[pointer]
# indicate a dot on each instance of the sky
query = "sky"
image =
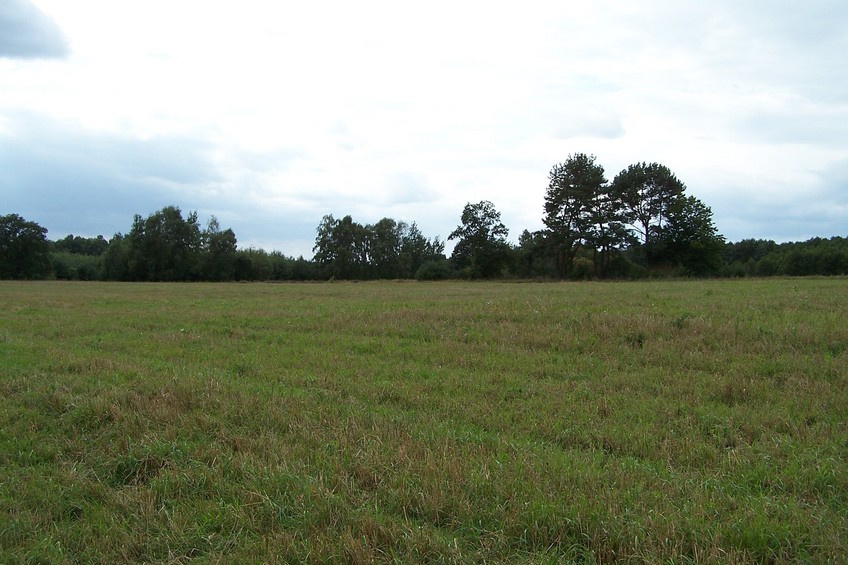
(269, 115)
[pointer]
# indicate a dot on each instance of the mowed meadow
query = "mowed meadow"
(686, 422)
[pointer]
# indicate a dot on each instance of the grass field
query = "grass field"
(433, 423)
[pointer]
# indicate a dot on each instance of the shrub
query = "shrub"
(582, 268)
(436, 270)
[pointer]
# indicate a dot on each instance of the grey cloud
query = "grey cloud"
(259, 162)
(286, 230)
(788, 45)
(835, 175)
(408, 188)
(820, 211)
(26, 32)
(73, 180)
(806, 26)
(818, 127)
(393, 193)
(779, 224)
(589, 123)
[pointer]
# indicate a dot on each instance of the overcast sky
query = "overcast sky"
(270, 115)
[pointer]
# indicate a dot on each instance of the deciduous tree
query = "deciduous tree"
(385, 247)
(416, 250)
(24, 249)
(341, 247)
(690, 239)
(219, 252)
(165, 246)
(482, 246)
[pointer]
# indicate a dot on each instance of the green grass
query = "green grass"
(435, 423)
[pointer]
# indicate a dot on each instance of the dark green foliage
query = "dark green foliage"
(533, 256)
(416, 250)
(606, 233)
(346, 249)
(763, 258)
(258, 265)
(385, 249)
(643, 212)
(78, 245)
(482, 250)
(167, 247)
(164, 247)
(219, 252)
(253, 265)
(689, 238)
(75, 267)
(581, 269)
(817, 257)
(647, 194)
(747, 250)
(572, 186)
(291, 269)
(767, 266)
(341, 247)
(436, 270)
(24, 249)
(116, 259)
(651, 196)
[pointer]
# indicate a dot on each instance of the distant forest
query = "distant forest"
(642, 224)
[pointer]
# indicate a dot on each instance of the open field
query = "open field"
(415, 422)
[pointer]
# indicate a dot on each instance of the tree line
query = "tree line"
(166, 246)
(640, 224)
(765, 258)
